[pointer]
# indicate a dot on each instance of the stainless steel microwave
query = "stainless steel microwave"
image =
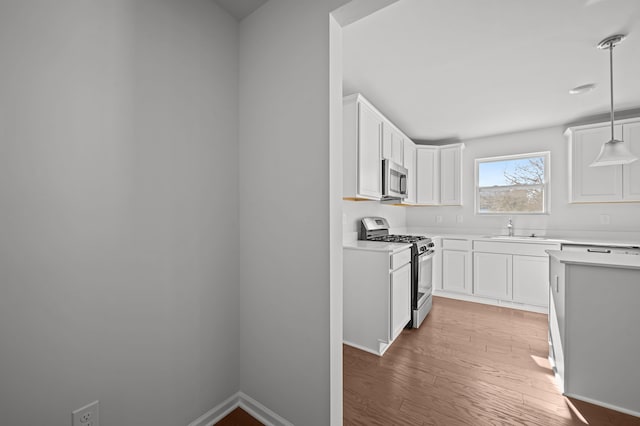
(394, 180)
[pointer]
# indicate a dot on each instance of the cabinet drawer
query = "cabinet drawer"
(399, 259)
(528, 249)
(451, 244)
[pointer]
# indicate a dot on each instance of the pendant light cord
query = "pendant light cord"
(611, 81)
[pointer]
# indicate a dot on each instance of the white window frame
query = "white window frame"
(546, 207)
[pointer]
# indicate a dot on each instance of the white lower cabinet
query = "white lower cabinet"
(530, 280)
(512, 271)
(492, 275)
(376, 296)
(400, 299)
(556, 316)
(456, 265)
(594, 333)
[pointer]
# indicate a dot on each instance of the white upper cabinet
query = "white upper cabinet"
(368, 137)
(427, 175)
(410, 165)
(362, 145)
(369, 170)
(439, 175)
(451, 175)
(606, 183)
(392, 144)
(631, 172)
(434, 172)
(593, 184)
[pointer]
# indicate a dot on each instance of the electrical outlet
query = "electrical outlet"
(605, 219)
(438, 219)
(86, 416)
(459, 218)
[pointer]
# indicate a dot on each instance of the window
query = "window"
(513, 184)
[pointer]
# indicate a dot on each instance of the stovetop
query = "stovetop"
(377, 229)
(410, 239)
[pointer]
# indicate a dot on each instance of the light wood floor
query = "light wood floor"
(468, 364)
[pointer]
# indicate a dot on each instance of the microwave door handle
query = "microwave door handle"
(403, 184)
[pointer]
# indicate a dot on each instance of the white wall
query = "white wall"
(354, 211)
(118, 210)
(285, 208)
(565, 219)
(335, 223)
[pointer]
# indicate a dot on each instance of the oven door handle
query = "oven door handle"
(425, 256)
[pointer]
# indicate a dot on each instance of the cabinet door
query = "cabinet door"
(492, 275)
(428, 175)
(450, 175)
(400, 299)
(557, 314)
(392, 144)
(593, 184)
(437, 264)
(410, 165)
(369, 162)
(397, 148)
(631, 172)
(455, 271)
(531, 280)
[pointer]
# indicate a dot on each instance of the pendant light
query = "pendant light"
(614, 152)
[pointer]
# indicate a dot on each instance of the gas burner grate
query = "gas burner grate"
(398, 238)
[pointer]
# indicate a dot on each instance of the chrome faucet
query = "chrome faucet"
(510, 227)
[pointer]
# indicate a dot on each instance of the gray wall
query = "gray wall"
(285, 208)
(118, 210)
(565, 219)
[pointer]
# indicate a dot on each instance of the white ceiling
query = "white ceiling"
(240, 9)
(447, 69)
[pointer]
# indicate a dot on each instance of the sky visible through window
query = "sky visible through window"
(493, 173)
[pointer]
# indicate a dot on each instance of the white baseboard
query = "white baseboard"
(260, 412)
(248, 404)
(493, 302)
(368, 349)
(604, 404)
(217, 413)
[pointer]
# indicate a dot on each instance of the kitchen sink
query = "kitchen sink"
(518, 237)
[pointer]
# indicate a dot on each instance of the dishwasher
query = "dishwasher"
(606, 249)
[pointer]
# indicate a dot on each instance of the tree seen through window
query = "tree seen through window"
(512, 184)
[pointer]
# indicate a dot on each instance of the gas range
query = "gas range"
(422, 251)
(377, 229)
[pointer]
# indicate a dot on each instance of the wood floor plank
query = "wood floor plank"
(468, 364)
(367, 412)
(239, 417)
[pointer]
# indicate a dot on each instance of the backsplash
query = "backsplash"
(354, 211)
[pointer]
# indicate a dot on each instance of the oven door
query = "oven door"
(424, 288)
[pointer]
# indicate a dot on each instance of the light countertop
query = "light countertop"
(541, 239)
(352, 243)
(627, 261)
(375, 246)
